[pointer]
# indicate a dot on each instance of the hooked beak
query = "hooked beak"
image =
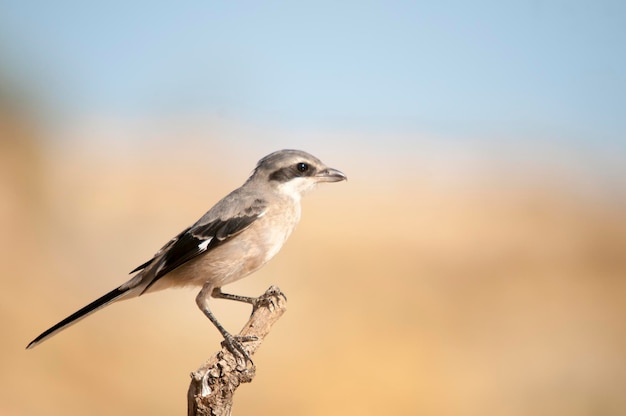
(331, 175)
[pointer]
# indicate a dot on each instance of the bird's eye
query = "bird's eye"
(302, 167)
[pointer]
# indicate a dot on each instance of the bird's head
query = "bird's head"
(294, 172)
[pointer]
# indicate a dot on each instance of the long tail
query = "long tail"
(112, 296)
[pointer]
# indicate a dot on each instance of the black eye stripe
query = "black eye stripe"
(295, 170)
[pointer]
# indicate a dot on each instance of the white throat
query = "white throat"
(296, 187)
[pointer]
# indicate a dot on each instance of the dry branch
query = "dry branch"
(213, 384)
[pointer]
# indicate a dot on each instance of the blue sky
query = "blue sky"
(547, 69)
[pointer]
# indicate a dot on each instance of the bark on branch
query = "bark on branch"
(213, 384)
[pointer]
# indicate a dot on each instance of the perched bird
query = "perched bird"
(233, 239)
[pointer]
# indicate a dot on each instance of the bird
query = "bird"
(233, 239)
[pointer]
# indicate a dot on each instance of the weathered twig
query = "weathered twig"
(213, 384)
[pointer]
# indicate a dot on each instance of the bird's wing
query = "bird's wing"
(206, 234)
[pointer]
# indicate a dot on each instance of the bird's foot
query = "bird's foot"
(270, 299)
(236, 348)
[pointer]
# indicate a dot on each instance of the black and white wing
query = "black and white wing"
(209, 232)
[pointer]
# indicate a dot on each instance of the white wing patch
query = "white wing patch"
(203, 245)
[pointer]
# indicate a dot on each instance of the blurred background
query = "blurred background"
(474, 263)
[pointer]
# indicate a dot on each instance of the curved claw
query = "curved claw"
(271, 298)
(233, 344)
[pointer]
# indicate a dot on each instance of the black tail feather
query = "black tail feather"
(101, 302)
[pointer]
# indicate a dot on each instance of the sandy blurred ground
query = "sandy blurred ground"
(406, 295)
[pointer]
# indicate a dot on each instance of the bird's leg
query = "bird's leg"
(269, 298)
(218, 294)
(231, 342)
